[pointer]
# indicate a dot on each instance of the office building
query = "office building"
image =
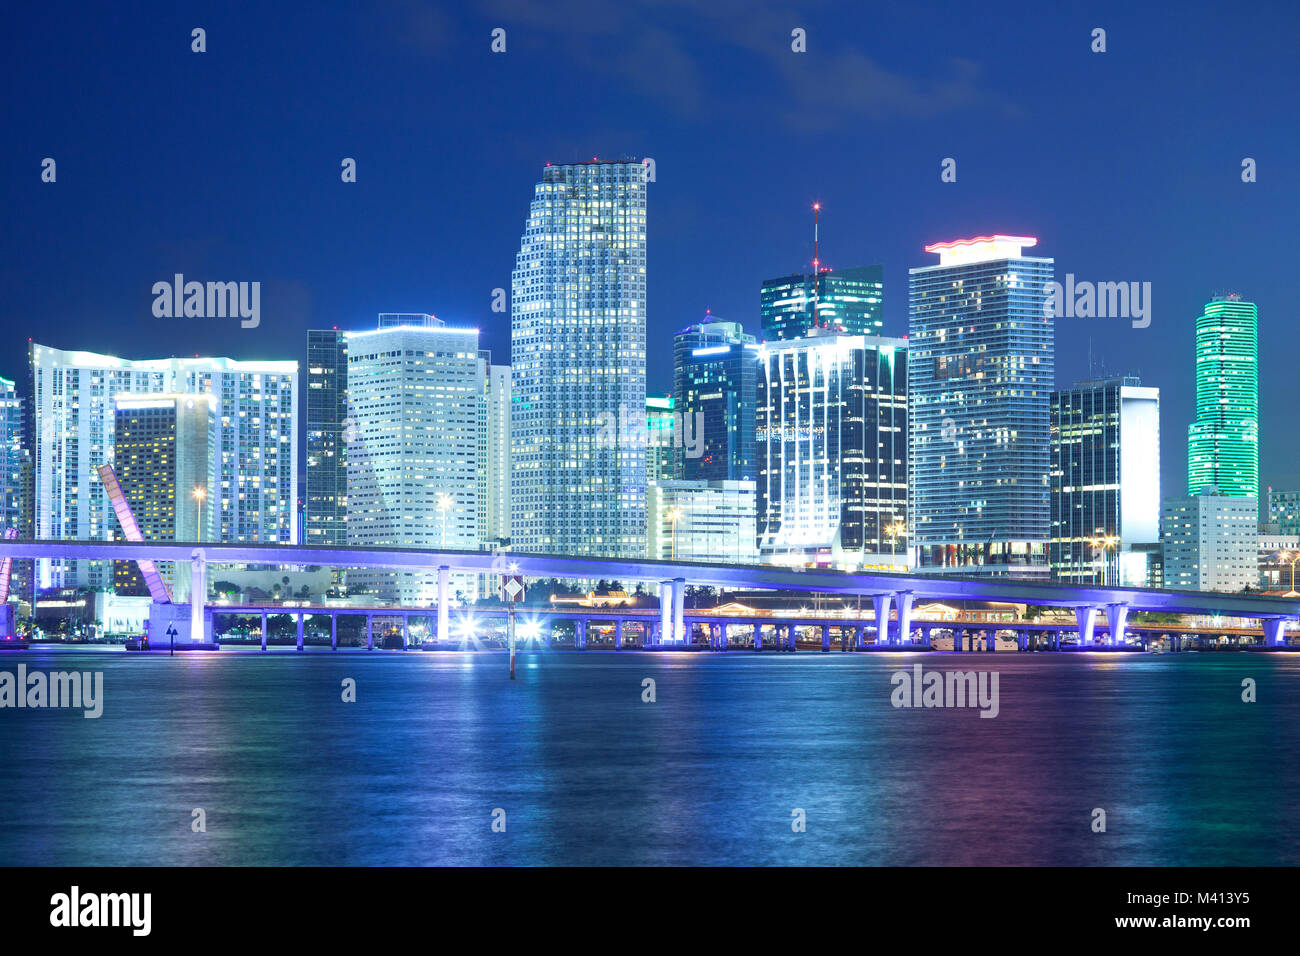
(1211, 542)
(1105, 477)
(980, 372)
(831, 449)
(1223, 442)
(715, 383)
(494, 455)
(326, 506)
(848, 299)
(711, 521)
(578, 340)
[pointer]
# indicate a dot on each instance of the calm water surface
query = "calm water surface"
(708, 774)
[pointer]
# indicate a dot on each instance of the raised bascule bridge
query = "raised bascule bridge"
(1100, 614)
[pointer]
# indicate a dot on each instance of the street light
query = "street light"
(200, 495)
(895, 530)
(1103, 543)
(1292, 560)
(673, 514)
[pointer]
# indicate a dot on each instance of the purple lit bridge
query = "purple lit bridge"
(892, 595)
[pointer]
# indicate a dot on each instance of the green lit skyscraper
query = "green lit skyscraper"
(1223, 442)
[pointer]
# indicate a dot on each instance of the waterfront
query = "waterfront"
(708, 774)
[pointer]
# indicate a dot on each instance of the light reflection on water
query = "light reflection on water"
(708, 774)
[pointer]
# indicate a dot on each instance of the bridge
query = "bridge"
(892, 594)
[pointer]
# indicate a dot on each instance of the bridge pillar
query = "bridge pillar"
(444, 581)
(580, 633)
(903, 601)
(791, 635)
(618, 633)
(679, 612)
(1117, 617)
(758, 637)
(1087, 620)
(826, 638)
(370, 632)
(406, 631)
(881, 603)
(263, 630)
(334, 632)
(1274, 635)
(300, 618)
(665, 610)
(198, 595)
(1022, 639)
(860, 636)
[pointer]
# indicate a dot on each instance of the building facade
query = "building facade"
(980, 376)
(715, 383)
(831, 448)
(1211, 542)
(714, 521)
(848, 299)
(578, 340)
(1105, 477)
(326, 505)
(1223, 442)
(254, 476)
(494, 455)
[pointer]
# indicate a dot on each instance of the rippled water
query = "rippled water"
(708, 774)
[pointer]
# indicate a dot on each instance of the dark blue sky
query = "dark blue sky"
(225, 165)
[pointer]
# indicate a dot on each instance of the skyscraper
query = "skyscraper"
(1105, 474)
(979, 382)
(715, 381)
(1211, 542)
(414, 394)
(578, 329)
(494, 455)
(12, 454)
(661, 435)
(327, 413)
(1223, 442)
(254, 475)
(850, 299)
(831, 443)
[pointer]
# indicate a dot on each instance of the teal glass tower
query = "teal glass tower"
(1223, 442)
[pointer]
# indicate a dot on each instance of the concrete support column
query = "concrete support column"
(665, 610)
(198, 595)
(903, 600)
(679, 611)
(1056, 639)
(444, 589)
(791, 635)
(1273, 631)
(580, 633)
(881, 604)
(860, 636)
(958, 638)
(618, 634)
(370, 632)
(334, 632)
(406, 631)
(263, 630)
(300, 617)
(1087, 620)
(826, 638)
(1117, 617)
(758, 637)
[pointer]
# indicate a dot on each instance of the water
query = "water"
(708, 774)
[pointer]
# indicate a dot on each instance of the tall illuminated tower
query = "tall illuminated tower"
(1223, 442)
(577, 350)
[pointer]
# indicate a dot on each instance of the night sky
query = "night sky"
(225, 165)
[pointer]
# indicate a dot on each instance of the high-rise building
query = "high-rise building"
(414, 394)
(702, 521)
(12, 454)
(1105, 474)
(980, 373)
(1223, 442)
(1211, 542)
(254, 476)
(163, 462)
(848, 299)
(661, 433)
(494, 455)
(578, 331)
(326, 508)
(715, 382)
(831, 444)
(1284, 511)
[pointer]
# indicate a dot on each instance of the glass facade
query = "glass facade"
(578, 340)
(715, 381)
(702, 521)
(1105, 477)
(980, 377)
(848, 299)
(1223, 442)
(327, 462)
(831, 440)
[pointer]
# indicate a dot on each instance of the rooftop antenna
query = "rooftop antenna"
(817, 263)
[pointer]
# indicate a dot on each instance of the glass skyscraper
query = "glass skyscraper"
(715, 377)
(1223, 442)
(850, 299)
(980, 377)
(1105, 478)
(831, 442)
(578, 331)
(327, 461)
